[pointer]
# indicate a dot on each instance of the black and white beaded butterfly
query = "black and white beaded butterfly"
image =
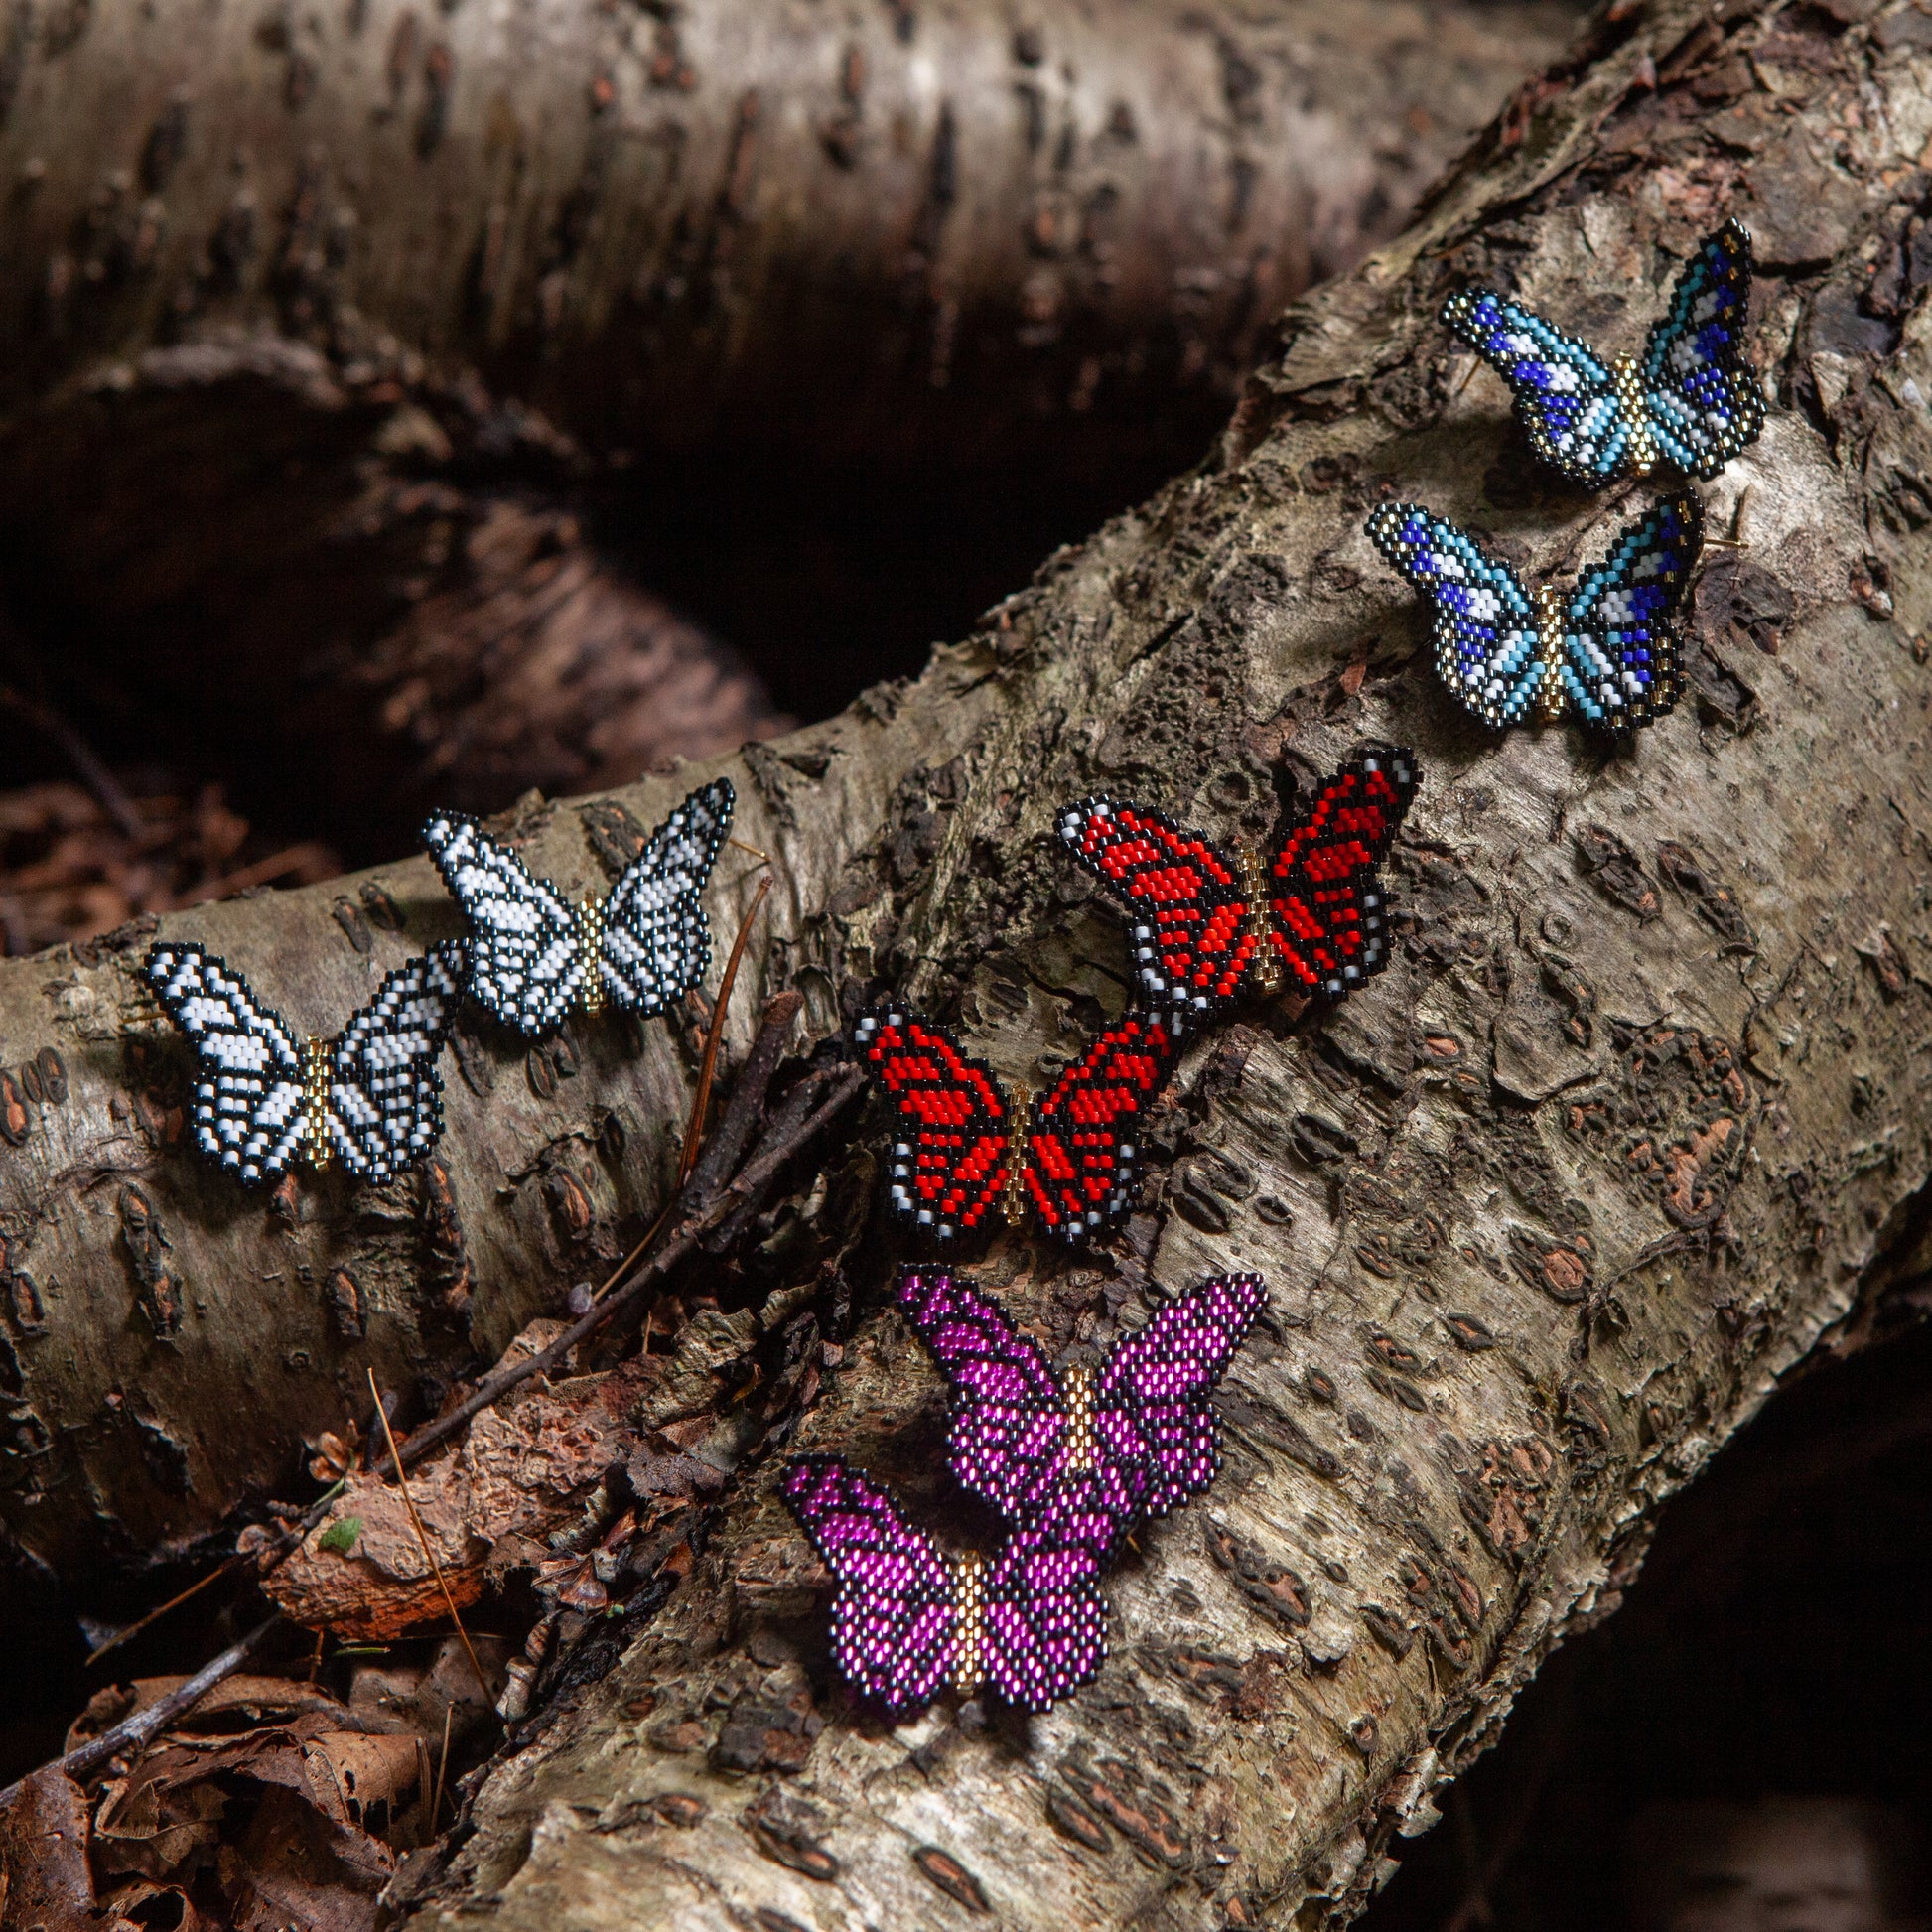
(533, 956)
(368, 1100)
(1689, 399)
(1607, 656)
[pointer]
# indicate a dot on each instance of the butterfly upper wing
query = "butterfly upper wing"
(1008, 1415)
(656, 940)
(1701, 398)
(1151, 1400)
(248, 1094)
(892, 1618)
(1621, 664)
(1045, 1618)
(385, 1101)
(1083, 1150)
(1565, 399)
(526, 960)
(1486, 649)
(949, 1150)
(1192, 930)
(1328, 914)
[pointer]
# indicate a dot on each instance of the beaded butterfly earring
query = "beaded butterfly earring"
(369, 1099)
(1311, 920)
(1689, 400)
(534, 956)
(1607, 656)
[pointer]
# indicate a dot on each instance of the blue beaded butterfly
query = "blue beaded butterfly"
(1690, 401)
(1609, 653)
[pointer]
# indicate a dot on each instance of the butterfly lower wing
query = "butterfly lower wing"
(1193, 933)
(1486, 646)
(656, 941)
(526, 961)
(249, 1115)
(1009, 1421)
(892, 1618)
(1151, 1400)
(1621, 657)
(1046, 1620)
(1701, 398)
(385, 1101)
(1565, 399)
(1083, 1150)
(1328, 913)
(950, 1142)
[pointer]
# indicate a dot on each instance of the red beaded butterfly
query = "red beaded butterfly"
(1204, 920)
(965, 1145)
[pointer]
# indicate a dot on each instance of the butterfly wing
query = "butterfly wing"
(1620, 666)
(1328, 913)
(526, 961)
(386, 1102)
(656, 940)
(1008, 1415)
(893, 1617)
(1486, 649)
(949, 1152)
(1151, 1401)
(1192, 930)
(248, 1094)
(1703, 401)
(1565, 399)
(1045, 1618)
(1083, 1150)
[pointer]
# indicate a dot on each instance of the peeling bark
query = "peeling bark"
(1638, 1117)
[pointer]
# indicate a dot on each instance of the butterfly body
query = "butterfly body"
(368, 1100)
(1689, 400)
(1205, 922)
(1138, 1427)
(536, 957)
(907, 1620)
(966, 1147)
(1608, 654)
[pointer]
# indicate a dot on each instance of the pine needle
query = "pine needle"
(422, 1537)
(701, 1100)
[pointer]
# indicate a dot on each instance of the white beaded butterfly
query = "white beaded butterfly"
(533, 956)
(265, 1101)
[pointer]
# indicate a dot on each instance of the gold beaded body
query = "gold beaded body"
(1266, 967)
(590, 935)
(1083, 1452)
(969, 1624)
(1550, 700)
(1629, 395)
(1012, 1198)
(314, 1100)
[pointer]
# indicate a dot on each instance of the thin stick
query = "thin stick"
(289, 859)
(694, 1128)
(99, 781)
(138, 1729)
(422, 1537)
(752, 848)
(442, 1765)
(160, 1610)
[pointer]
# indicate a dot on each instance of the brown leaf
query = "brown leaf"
(44, 1837)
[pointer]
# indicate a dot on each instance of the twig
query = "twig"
(722, 1151)
(422, 1537)
(138, 1729)
(694, 1128)
(752, 848)
(312, 852)
(442, 1765)
(774, 1150)
(99, 781)
(160, 1610)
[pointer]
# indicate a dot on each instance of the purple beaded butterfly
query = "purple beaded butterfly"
(1139, 1428)
(908, 1618)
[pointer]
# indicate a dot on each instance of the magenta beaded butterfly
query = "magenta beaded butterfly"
(1140, 1425)
(908, 1618)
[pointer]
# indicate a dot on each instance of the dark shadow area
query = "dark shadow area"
(1775, 1646)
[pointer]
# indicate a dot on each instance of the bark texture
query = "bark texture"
(324, 326)
(1637, 1116)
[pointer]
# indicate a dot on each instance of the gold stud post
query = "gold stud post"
(315, 1101)
(1012, 1198)
(1629, 395)
(969, 1625)
(1082, 1452)
(1551, 703)
(590, 936)
(1266, 966)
